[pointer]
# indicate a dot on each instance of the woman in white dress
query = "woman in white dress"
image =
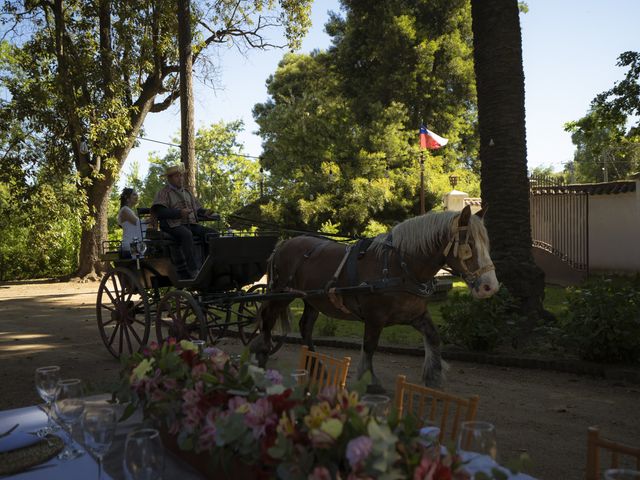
(128, 220)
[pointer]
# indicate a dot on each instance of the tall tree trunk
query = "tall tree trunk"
(187, 152)
(93, 234)
(497, 45)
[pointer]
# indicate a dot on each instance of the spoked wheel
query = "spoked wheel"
(249, 324)
(218, 320)
(122, 312)
(180, 316)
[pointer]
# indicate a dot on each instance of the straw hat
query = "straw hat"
(173, 169)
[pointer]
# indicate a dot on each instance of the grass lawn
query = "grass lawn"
(401, 334)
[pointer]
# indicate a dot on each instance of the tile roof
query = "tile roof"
(604, 188)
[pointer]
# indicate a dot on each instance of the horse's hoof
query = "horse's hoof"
(375, 389)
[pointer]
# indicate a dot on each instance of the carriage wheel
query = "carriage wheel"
(122, 312)
(218, 319)
(180, 316)
(248, 324)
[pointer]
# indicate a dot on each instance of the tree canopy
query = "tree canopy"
(607, 138)
(83, 73)
(340, 127)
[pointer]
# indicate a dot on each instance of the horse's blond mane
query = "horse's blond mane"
(428, 233)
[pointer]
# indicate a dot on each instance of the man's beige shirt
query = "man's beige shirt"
(172, 197)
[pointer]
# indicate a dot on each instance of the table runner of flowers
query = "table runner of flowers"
(230, 410)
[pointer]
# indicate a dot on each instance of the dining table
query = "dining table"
(85, 467)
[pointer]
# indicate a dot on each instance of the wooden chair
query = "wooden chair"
(595, 443)
(451, 410)
(324, 370)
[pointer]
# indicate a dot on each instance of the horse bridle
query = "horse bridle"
(462, 251)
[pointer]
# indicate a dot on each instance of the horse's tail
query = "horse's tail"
(284, 319)
(272, 270)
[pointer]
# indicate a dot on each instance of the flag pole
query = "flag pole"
(422, 183)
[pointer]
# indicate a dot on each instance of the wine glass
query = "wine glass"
(378, 406)
(47, 386)
(477, 438)
(143, 455)
(69, 406)
(99, 428)
(200, 345)
(621, 474)
(300, 377)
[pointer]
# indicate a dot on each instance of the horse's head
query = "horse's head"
(467, 253)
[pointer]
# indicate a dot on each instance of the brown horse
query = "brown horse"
(382, 284)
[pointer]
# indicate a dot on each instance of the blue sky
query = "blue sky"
(570, 48)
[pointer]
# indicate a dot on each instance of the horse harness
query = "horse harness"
(353, 253)
(462, 251)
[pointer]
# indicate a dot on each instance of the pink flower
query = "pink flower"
(328, 394)
(273, 376)
(260, 416)
(191, 408)
(207, 438)
(320, 473)
(358, 450)
(198, 369)
(174, 428)
(169, 383)
(426, 469)
(236, 402)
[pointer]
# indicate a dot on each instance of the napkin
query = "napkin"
(23, 436)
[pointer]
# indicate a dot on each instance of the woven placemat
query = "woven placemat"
(21, 459)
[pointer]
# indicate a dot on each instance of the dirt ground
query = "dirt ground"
(543, 413)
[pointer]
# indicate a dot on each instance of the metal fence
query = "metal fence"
(560, 220)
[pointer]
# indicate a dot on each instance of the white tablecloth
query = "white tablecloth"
(30, 420)
(484, 463)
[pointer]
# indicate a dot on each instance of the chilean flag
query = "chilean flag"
(430, 140)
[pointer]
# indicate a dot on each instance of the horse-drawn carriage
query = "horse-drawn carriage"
(383, 281)
(142, 297)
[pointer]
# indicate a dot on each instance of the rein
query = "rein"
(462, 251)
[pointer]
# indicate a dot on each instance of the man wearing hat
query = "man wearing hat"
(177, 211)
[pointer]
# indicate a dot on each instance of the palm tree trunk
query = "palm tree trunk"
(503, 153)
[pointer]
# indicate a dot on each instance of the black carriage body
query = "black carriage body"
(138, 294)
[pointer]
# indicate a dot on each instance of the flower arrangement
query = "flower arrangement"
(229, 411)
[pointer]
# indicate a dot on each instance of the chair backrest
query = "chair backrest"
(324, 370)
(617, 450)
(445, 410)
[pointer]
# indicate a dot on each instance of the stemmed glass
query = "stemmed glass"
(47, 386)
(143, 455)
(69, 406)
(200, 345)
(477, 438)
(300, 377)
(378, 406)
(99, 428)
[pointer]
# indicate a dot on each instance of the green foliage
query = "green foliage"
(328, 328)
(602, 142)
(340, 127)
(48, 215)
(225, 180)
(602, 320)
(479, 324)
(602, 137)
(624, 97)
(94, 70)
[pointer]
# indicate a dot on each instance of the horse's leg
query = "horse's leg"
(268, 313)
(432, 374)
(307, 321)
(369, 344)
